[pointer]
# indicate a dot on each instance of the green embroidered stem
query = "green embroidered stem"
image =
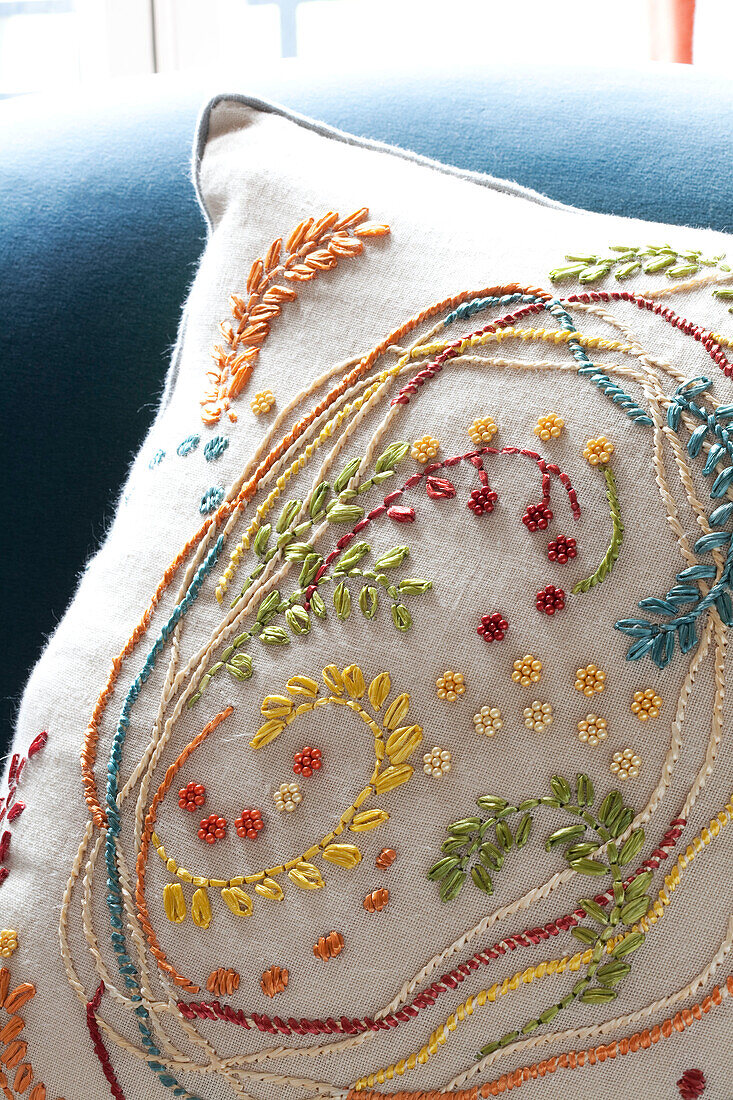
(629, 260)
(611, 556)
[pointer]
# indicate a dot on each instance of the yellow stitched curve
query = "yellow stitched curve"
(542, 335)
(552, 966)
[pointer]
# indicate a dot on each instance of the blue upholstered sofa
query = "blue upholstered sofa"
(100, 234)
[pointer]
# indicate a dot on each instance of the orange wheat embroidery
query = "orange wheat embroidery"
(313, 246)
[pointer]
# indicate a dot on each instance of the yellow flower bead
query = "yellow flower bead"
(488, 721)
(424, 449)
(592, 729)
(549, 427)
(287, 797)
(598, 451)
(437, 762)
(483, 430)
(538, 716)
(263, 402)
(450, 685)
(590, 680)
(8, 942)
(527, 670)
(626, 764)
(646, 704)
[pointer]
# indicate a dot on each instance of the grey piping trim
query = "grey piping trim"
(493, 183)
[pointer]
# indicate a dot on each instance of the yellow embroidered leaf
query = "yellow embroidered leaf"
(276, 706)
(201, 908)
(174, 902)
(403, 742)
(343, 855)
(379, 689)
(306, 876)
(396, 711)
(393, 777)
(333, 679)
(267, 733)
(236, 900)
(270, 889)
(368, 819)
(303, 685)
(354, 681)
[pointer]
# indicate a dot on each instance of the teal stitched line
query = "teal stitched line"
(189, 444)
(586, 368)
(127, 967)
(215, 448)
(156, 459)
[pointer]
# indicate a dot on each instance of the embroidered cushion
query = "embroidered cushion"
(382, 746)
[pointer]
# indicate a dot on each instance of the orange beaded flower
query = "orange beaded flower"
(527, 670)
(483, 430)
(549, 427)
(450, 685)
(590, 680)
(262, 402)
(424, 449)
(646, 704)
(598, 451)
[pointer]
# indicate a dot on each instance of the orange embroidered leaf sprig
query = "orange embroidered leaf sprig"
(312, 247)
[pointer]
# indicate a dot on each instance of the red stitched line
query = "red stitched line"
(99, 1048)
(214, 1010)
(8, 805)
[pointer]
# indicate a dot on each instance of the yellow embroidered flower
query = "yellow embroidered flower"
(592, 729)
(488, 721)
(590, 680)
(483, 430)
(8, 942)
(450, 685)
(424, 449)
(538, 716)
(527, 670)
(263, 402)
(598, 451)
(625, 765)
(437, 762)
(646, 704)
(549, 427)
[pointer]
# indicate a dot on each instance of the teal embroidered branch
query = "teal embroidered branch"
(658, 640)
(614, 548)
(626, 261)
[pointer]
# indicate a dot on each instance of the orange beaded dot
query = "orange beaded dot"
(483, 430)
(527, 670)
(590, 680)
(598, 451)
(549, 427)
(592, 729)
(424, 449)
(450, 685)
(646, 704)
(263, 402)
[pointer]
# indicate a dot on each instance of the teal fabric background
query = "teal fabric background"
(101, 233)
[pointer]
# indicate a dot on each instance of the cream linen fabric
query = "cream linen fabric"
(260, 173)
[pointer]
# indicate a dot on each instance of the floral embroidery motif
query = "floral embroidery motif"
(424, 449)
(625, 764)
(488, 721)
(262, 402)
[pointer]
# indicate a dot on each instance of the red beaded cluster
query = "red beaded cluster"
(562, 549)
(213, 828)
(537, 517)
(493, 627)
(482, 501)
(307, 761)
(692, 1084)
(249, 824)
(192, 796)
(550, 599)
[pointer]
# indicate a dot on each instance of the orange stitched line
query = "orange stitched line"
(142, 908)
(640, 1040)
(91, 737)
